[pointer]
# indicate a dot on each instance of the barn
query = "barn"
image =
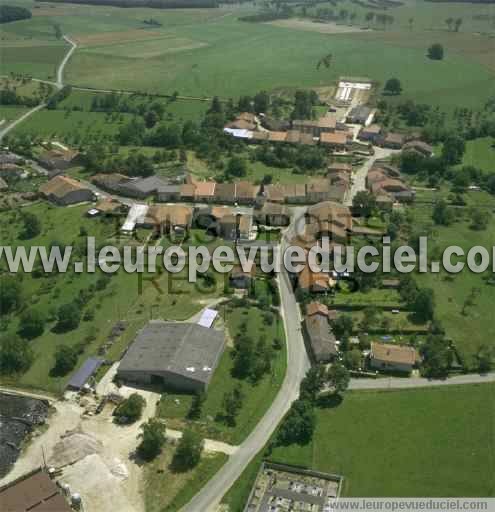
(176, 355)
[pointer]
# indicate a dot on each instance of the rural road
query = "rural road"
(59, 84)
(19, 120)
(359, 178)
(60, 70)
(297, 365)
(419, 382)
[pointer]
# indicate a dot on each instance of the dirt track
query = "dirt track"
(311, 26)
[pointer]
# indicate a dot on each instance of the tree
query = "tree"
(232, 402)
(353, 359)
(437, 357)
(16, 355)
(131, 409)
(312, 383)
(196, 406)
(408, 289)
(411, 23)
(261, 102)
(442, 214)
(68, 317)
(371, 316)
(32, 324)
(364, 203)
(343, 326)
(484, 358)
(424, 304)
(10, 294)
(65, 360)
(152, 439)
(479, 219)
(299, 424)
(435, 51)
(189, 449)
(338, 378)
(31, 226)
(449, 22)
(453, 150)
(236, 167)
(392, 87)
(458, 23)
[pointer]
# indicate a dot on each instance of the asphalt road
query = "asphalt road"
(297, 365)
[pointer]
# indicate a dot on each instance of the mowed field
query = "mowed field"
(427, 442)
(209, 52)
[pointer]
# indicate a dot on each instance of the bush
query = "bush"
(435, 51)
(16, 355)
(152, 439)
(188, 453)
(65, 360)
(131, 409)
(68, 317)
(32, 324)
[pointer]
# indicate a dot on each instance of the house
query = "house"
(277, 137)
(235, 227)
(317, 190)
(141, 188)
(317, 308)
(33, 492)
(298, 137)
(260, 136)
(110, 207)
(168, 193)
(335, 141)
(205, 191)
(64, 190)
(58, 159)
(207, 217)
(395, 358)
(419, 147)
(109, 182)
(274, 193)
(273, 214)
(244, 121)
(245, 192)
(174, 217)
(314, 282)
(315, 128)
(187, 192)
(177, 355)
(295, 193)
(224, 193)
(370, 133)
(241, 279)
(361, 115)
(337, 168)
(393, 141)
(320, 338)
(381, 183)
(329, 219)
(9, 170)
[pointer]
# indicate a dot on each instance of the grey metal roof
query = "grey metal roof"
(81, 376)
(145, 185)
(183, 348)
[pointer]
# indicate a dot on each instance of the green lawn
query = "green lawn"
(480, 153)
(166, 490)
(257, 398)
(430, 442)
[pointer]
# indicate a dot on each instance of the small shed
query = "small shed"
(83, 374)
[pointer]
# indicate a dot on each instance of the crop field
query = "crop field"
(398, 443)
(210, 52)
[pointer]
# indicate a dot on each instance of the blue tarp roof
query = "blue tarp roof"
(81, 376)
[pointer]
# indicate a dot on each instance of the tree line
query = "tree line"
(9, 13)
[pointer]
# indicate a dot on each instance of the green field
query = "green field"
(431, 442)
(209, 52)
(480, 153)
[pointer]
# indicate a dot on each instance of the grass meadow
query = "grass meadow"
(427, 442)
(210, 52)
(124, 298)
